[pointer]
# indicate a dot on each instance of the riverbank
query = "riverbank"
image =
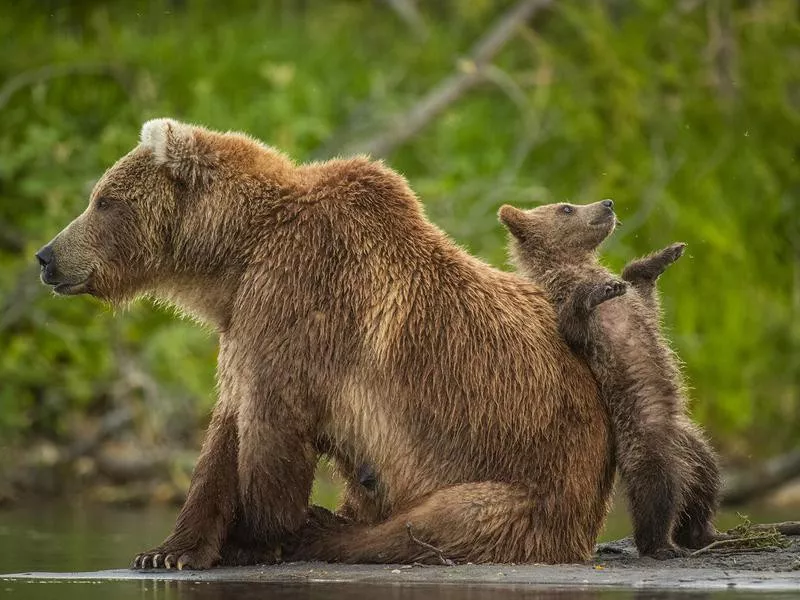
(616, 565)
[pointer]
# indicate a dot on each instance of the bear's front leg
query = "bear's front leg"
(210, 505)
(276, 461)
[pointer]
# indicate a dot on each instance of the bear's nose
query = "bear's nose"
(608, 203)
(45, 256)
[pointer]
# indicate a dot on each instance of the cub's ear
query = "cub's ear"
(514, 220)
(184, 150)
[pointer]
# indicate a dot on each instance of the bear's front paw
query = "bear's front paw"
(198, 556)
(242, 555)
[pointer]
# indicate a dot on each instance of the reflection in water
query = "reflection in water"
(341, 591)
(185, 590)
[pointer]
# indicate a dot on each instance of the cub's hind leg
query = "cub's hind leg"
(701, 487)
(653, 484)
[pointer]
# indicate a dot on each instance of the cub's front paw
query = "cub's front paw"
(607, 290)
(176, 556)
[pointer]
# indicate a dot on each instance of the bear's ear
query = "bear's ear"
(184, 150)
(514, 220)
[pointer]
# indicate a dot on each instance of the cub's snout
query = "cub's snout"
(601, 213)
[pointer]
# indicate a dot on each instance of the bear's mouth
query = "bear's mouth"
(56, 280)
(71, 289)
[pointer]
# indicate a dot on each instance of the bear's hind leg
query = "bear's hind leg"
(275, 464)
(471, 522)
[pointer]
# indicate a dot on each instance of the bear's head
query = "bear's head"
(170, 215)
(560, 233)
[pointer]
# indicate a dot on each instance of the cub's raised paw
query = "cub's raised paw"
(674, 251)
(607, 290)
(197, 558)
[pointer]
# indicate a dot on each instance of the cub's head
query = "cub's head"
(561, 233)
(154, 217)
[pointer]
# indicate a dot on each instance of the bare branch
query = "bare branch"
(742, 544)
(407, 10)
(28, 78)
(490, 44)
(444, 560)
(745, 486)
(785, 527)
(721, 50)
(471, 72)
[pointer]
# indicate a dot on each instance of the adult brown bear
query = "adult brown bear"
(348, 325)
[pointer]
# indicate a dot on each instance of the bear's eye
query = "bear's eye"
(567, 209)
(102, 203)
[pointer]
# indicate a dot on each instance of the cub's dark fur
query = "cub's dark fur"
(669, 469)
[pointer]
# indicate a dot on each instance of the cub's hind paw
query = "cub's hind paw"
(667, 553)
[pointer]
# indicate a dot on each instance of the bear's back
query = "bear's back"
(457, 340)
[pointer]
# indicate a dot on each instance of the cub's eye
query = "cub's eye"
(102, 203)
(567, 209)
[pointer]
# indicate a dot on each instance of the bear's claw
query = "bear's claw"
(180, 559)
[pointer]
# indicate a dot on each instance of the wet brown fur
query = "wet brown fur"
(350, 326)
(670, 470)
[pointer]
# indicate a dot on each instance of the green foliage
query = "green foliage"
(686, 113)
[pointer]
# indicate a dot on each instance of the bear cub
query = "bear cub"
(669, 469)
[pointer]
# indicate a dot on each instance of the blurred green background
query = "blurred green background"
(684, 112)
